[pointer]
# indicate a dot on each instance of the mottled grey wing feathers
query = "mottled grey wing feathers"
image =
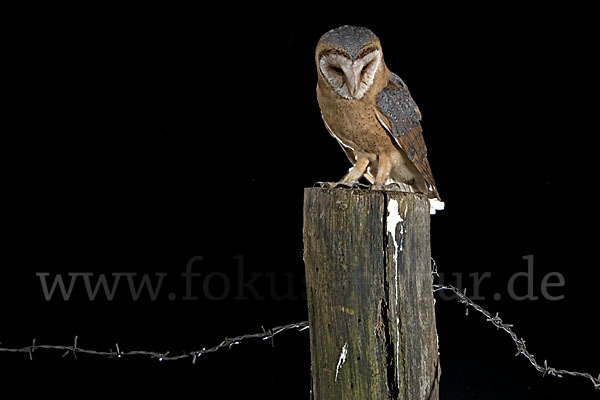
(400, 109)
(402, 120)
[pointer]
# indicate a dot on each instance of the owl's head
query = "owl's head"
(348, 58)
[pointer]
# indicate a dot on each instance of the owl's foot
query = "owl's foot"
(347, 184)
(394, 187)
(352, 184)
(328, 185)
(324, 185)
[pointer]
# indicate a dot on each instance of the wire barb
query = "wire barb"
(31, 349)
(519, 343)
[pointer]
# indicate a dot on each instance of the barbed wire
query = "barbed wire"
(161, 356)
(301, 326)
(519, 342)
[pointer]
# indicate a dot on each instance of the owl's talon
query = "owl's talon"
(325, 185)
(393, 187)
(346, 184)
(353, 185)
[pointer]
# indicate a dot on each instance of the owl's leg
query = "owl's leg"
(356, 172)
(383, 171)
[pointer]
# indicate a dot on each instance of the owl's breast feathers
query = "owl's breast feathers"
(354, 124)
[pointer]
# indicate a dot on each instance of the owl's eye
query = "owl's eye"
(337, 69)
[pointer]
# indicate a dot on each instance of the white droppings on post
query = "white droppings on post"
(341, 360)
(393, 219)
(435, 205)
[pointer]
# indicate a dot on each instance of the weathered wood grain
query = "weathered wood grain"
(370, 299)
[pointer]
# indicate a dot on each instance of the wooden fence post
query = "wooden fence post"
(370, 296)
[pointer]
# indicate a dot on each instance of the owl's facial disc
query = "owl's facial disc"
(350, 79)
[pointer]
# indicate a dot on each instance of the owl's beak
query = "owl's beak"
(353, 80)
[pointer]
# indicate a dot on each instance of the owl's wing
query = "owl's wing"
(348, 150)
(400, 116)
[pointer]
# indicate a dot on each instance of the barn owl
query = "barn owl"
(369, 111)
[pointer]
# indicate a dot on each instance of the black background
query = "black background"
(134, 140)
